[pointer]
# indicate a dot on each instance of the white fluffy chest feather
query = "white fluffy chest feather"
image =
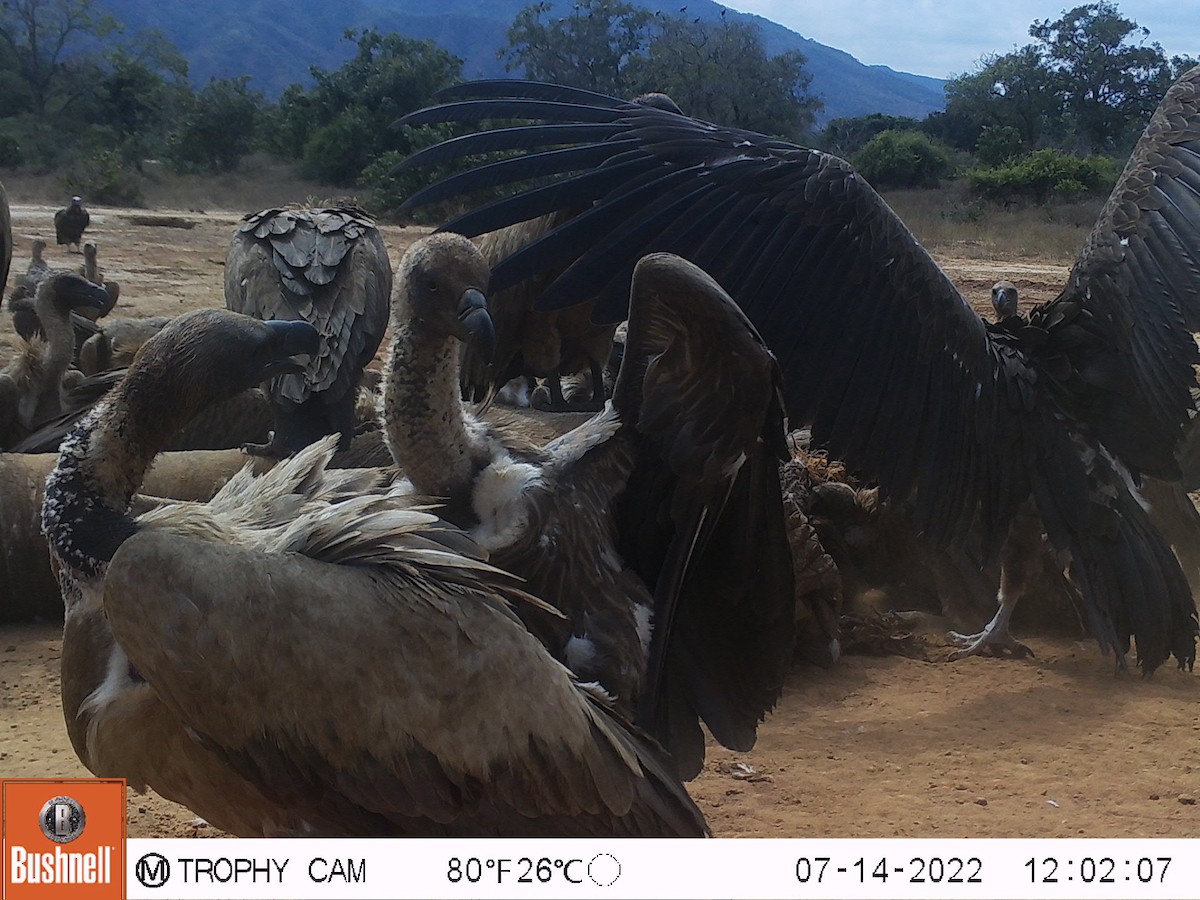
(500, 499)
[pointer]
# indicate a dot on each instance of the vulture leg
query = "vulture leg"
(272, 449)
(548, 395)
(1018, 558)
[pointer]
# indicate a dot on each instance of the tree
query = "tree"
(345, 120)
(720, 72)
(1017, 90)
(220, 127)
(590, 47)
(40, 37)
(1109, 83)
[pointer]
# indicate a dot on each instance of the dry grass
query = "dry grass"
(948, 222)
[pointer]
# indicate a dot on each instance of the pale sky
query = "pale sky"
(942, 38)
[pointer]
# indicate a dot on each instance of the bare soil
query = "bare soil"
(1057, 746)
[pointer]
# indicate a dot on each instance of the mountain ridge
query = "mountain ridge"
(228, 38)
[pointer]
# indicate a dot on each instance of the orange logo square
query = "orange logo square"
(62, 838)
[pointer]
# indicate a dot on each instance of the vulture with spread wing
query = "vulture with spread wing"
(656, 526)
(972, 422)
(327, 266)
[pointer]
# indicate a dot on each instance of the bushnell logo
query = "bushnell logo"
(62, 820)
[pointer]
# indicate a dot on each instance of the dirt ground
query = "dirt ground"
(890, 746)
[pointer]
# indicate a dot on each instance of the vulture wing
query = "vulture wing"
(684, 467)
(393, 699)
(878, 350)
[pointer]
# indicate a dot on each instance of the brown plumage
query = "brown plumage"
(70, 223)
(116, 342)
(32, 387)
(638, 523)
(879, 352)
(214, 651)
(326, 266)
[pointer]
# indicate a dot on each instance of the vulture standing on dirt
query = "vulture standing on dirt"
(31, 387)
(656, 526)
(20, 300)
(312, 653)
(879, 351)
(70, 223)
(92, 272)
(326, 266)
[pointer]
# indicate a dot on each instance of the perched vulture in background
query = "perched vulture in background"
(71, 222)
(31, 387)
(92, 272)
(656, 527)
(879, 351)
(20, 300)
(311, 652)
(326, 266)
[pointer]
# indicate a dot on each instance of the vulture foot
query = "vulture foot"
(996, 640)
(545, 398)
(270, 450)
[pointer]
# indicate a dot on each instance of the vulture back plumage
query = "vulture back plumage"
(327, 266)
(879, 351)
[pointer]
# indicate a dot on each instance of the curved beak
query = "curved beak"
(288, 348)
(94, 296)
(476, 323)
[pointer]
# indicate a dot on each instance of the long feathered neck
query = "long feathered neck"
(60, 341)
(429, 433)
(101, 465)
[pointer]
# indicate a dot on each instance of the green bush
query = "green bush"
(101, 178)
(898, 159)
(1045, 175)
(998, 144)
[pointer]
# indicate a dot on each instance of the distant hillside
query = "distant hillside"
(277, 43)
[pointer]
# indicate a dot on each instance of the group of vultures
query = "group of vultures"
(467, 631)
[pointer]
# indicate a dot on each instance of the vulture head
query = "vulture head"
(208, 356)
(63, 292)
(1004, 299)
(441, 288)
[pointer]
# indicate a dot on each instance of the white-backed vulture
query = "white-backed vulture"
(70, 222)
(20, 299)
(879, 351)
(219, 652)
(657, 526)
(92, 272)
(31, 387)
(327, 266)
